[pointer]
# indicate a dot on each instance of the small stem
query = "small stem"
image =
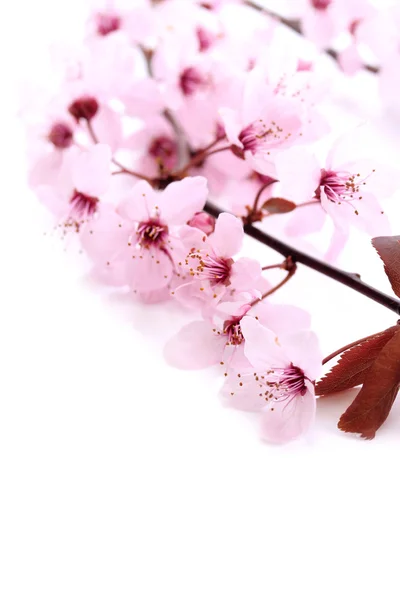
(310, 203)
(124, 170)
(292, 268)
(347, 347)
(295, 25)
(257, 199)
(200, 156)
(351, 280)
(277, 266)
(91, 131)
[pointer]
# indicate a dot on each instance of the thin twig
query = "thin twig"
(124, 170)
(200, 156)
(291, 271)
(277, 266)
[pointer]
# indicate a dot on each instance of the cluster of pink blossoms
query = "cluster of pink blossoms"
(176, 102)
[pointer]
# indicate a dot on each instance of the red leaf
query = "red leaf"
(353, 364)
(388, 249)
(279, 205)
(375, 399)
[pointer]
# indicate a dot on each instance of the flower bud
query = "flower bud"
(203, 221)
(61, 136)
(85, 107)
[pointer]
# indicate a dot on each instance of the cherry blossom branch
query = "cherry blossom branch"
(295, 25)
(350, 280)
(200, 156)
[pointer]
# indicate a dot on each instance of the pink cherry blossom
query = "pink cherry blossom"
(264, 122)
(281, 384)
(83, 181)
(345, 191)
(138, 244)
(219, 339)
(209, 266)
(154, 146)
(211, 341)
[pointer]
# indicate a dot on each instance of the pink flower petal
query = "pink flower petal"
(138, 203)
(303, 350)
(244, 397)
(106, 237)
(304, 221)
(91, 170)
(182, 199)
(228, 235)
(196, 346)
(283, 421)
(245, 274)
(282, 318)
(148, 269)
(299, 174)
(262, 346)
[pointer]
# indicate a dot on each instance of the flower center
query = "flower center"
(107, 23)
(340, 186)
(261, 137)
(151, 233)
(82, 208)
(61, 136)
(164, 149)
(233, 331)
(191, 80)
(283, 384)
(215, 269)
(321, 4)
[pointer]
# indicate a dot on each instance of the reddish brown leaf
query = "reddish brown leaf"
(388, 248)
(279, 205)
(353, 364)
(374, 401)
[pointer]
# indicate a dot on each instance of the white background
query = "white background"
(121, 478)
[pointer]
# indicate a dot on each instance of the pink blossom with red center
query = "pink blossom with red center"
(212, 341)
(85, 179)
(264, 122)
(348, 196)
(208, 267)
(138, 244)
(281, 384)
(220, 338)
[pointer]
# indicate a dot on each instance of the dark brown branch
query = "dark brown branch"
(351, 280)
